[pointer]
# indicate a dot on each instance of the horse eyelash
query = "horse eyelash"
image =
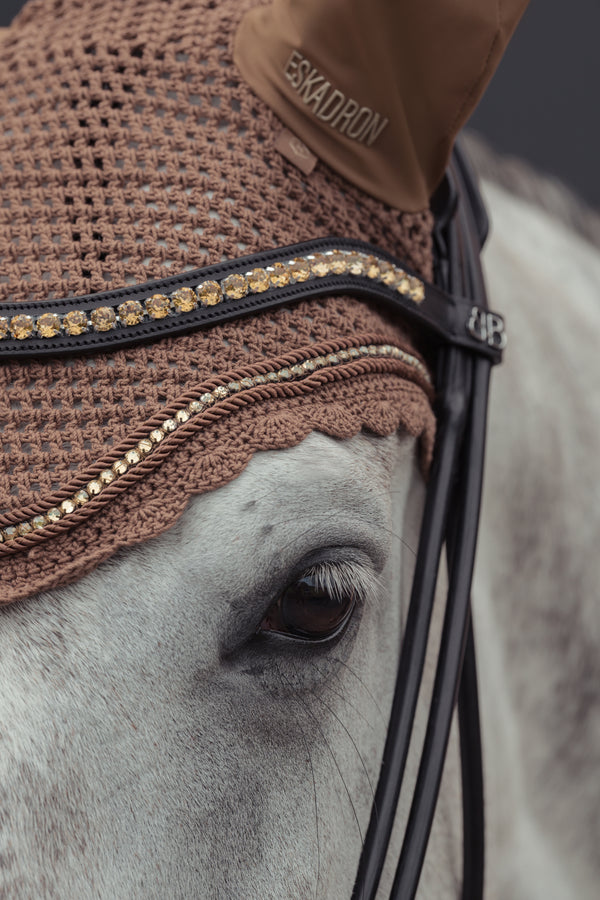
(343, 577)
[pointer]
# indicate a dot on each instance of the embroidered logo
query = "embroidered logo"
(346, 115)
(295, 151)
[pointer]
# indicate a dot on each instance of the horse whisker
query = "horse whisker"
(312, 772)
(335, 762)
(337, 718)
(328, 687)
(361, 682)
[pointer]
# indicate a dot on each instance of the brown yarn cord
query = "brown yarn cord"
(230, 406)
(133, 150)
(379, 403)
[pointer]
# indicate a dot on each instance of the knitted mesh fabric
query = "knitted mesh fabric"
(132, 150)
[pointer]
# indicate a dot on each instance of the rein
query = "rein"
(451, 516)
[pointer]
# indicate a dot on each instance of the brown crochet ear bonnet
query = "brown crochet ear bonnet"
(134, 153)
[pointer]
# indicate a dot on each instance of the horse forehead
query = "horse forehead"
(319, 477)
(320, 458)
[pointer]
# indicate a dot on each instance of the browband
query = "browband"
(251, 284)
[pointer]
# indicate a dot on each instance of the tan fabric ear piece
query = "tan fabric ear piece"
(375, 88)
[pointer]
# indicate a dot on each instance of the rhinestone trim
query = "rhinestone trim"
(123, 315)
(209, 399)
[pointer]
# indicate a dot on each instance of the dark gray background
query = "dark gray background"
(543, 104)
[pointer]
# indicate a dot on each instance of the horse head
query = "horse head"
(226, 348)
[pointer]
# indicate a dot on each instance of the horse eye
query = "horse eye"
(307, 610)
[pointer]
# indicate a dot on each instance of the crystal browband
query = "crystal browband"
(229, 290)
(103, 482)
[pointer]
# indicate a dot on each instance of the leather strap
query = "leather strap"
(445, 318)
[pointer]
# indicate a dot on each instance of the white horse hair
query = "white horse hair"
(152, 745)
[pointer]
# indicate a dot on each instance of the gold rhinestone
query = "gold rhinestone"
(356, 264)
(235, 286)
(132, 457)
(297, 370)
(103, 318)
(247, 382)
(402, 282)
(416, 290)
(344, 355)
(272, 377)
(299, 269)
(67, 506)
(156, 436)
(319, 362)
(157, 306)
(182, 415)
(81, 497)
(21, 327)
(75, 322)
(169, 425)
(372, 350)
(48, 325)
(10, 533)
(309, 365)
(364, 351)
(234, 387)
(319, 265)
(258, 280)
(107, 476)
(24, 528)
(184, 300)
(220, 392)
(387, 272)
(195, 407)
(353, 352)
(131, 312)
(279, 274)
(39, 522)
(4, 330)
(209, 293)
(207, 399)
(120, 467)
(371, 267)
(338, 262)
(54, 514)
(144, 447)
(93, 488)
(284, 374)
(260, 379)
(332, 359)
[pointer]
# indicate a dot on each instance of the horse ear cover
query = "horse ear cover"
(141, 139)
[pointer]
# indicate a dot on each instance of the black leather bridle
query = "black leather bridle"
(466, 339)
(450, 517)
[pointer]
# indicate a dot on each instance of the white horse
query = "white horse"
(154, 745)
